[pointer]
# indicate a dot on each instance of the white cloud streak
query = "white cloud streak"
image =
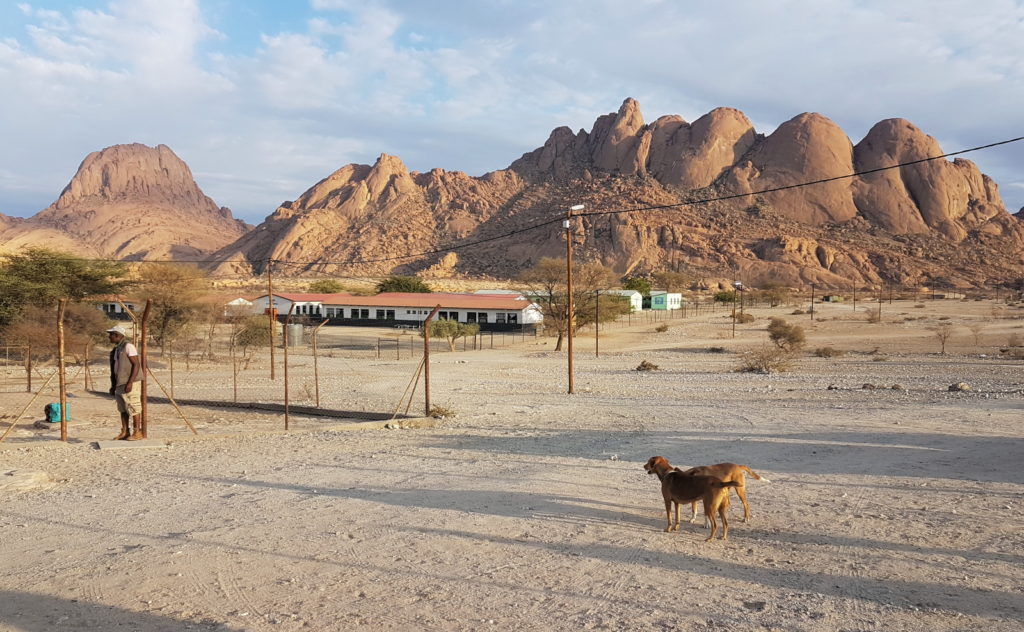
(471, 85)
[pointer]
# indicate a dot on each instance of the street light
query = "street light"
(567, 224)
(739, 290)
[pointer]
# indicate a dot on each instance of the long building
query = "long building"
(492, 312)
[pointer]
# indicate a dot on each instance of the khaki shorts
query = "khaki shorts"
(130, 402)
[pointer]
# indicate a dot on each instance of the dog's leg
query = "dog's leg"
(693, 515)
(675, 527)
(741, 491)
(668, 514)
(709, 515)
(723, 510)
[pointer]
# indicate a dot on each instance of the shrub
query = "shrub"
(662, 328)
(873, 317)
(441, 412)
(919, 305)
(879, 358)
(716, 349)
(828, 352)
(745, 318)
(765, 359)
(647, 366)
(797, 312)
(786, 336)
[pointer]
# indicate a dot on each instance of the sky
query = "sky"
(263, 98)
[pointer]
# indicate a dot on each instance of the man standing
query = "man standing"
(125, 366)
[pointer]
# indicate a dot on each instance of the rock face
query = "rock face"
(726, 197)
(130, 202)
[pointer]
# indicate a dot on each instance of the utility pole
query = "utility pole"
(812, 301)
(271, 314)
(567, 224)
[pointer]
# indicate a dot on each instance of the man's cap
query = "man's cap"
(117, 329)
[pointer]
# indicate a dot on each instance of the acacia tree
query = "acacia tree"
(38, 277)
(326, 286)
(403, 284)
(545, 285)
(451, 330)
(176, 290)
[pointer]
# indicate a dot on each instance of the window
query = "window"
(364, 313)
(481, 317)
(513, 319)
(389, 314)
(380, 314)
(499, 317)
(470, 317)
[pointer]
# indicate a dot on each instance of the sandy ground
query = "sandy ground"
(889, 509)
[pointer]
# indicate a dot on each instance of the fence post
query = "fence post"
(144, 359)
(61, 306)
(426, 362)
(284, 338)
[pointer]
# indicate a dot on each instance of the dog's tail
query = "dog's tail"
(721, 484)
(756, 475)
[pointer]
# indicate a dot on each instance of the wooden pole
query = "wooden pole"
(597, 323)
(171, 399)
(284, 339)
(62, 386)
(426, 362)
(144, 359)
(316, 367)
(28, 370)
(568, 292)
(271, 314)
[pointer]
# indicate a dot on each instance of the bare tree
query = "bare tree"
(943, 332)
(976, 329)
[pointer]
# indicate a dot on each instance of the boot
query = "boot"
(124, 431)
(137, 434)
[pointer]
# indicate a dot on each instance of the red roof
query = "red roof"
(427, 300)
(310, 298)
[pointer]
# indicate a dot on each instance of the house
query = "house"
(635, 298)
(660, 299)
(238, 306)
(491, 312)
(114, 307)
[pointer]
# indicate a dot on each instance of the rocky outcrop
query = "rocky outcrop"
(951, 198)
(130, 202)
(901, 226)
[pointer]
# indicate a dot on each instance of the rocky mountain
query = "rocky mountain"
(129, 202)
(727, 199)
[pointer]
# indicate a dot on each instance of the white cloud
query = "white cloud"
(471, 85)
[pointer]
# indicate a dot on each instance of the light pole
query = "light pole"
(738, 287)
(567, 224)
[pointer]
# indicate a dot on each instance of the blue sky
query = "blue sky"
(263, 98)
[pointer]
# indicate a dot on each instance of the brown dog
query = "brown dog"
(678, 488)
(726, 472)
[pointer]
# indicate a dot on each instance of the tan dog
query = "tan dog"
(678, 488)
(727, 472)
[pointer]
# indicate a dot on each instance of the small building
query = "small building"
(114, 307)
(238, 306)
(662, 300)
(832, 298)
(635, 298)
(305, 304)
